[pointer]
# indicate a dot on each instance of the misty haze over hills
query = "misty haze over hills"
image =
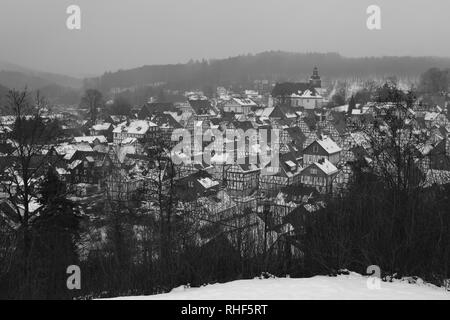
(240, 71)
(273, 66)
(16, 76)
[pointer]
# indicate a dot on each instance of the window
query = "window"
(315, 149)
(313, 171)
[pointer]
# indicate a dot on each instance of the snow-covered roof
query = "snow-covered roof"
(117, 118)
(101, 126)
(290, 163)
(129, 141)
(329, 145)
(90, 139)
(5, 129)
(266, 112)
(61, 171)
(69, 149)
(310, 94)
(134, 127)
(430, 116)
(245, 102)
(74, 164)
(207, 182)
(326, 166)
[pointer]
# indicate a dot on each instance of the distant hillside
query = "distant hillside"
(3, 92)
(53, 93)
(19, 80)
(55, 87)
(7, 66)
(60, 94)
(273, 65)
(15, 76)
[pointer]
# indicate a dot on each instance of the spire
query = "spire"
(315, 80)
(315, 73)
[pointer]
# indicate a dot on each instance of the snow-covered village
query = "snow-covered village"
(269, 176)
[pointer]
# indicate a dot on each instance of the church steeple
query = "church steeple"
(315, 80)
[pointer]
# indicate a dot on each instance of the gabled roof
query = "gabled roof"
(207, 182)
(328, 145)
(166, 120)
(326, 167)
(289, 165)
(288, 111)
(264, 112)
(74, 164)
(150, 109)
(431, 116)
(68, 150)
(90, 139)
(102, 126)
(195, 184)
(245, 102)
(308, 93)
(289, 88)
(202, 107)
(134, 127)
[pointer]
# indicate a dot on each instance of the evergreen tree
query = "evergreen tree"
(55, 235)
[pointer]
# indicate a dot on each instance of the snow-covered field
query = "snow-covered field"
(345, 287)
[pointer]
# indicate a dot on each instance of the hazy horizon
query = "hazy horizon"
(121, 35)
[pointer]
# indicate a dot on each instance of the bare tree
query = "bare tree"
(93, 100)
(23, 169)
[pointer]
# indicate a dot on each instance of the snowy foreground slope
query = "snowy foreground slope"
(352, 286)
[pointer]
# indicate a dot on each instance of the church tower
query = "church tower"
(315, 81)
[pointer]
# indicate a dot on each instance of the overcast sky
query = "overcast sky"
(129, 33)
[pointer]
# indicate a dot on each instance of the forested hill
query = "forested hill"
(3, 93)
(273, 65)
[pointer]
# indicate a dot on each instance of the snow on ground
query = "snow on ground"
(342, 287)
